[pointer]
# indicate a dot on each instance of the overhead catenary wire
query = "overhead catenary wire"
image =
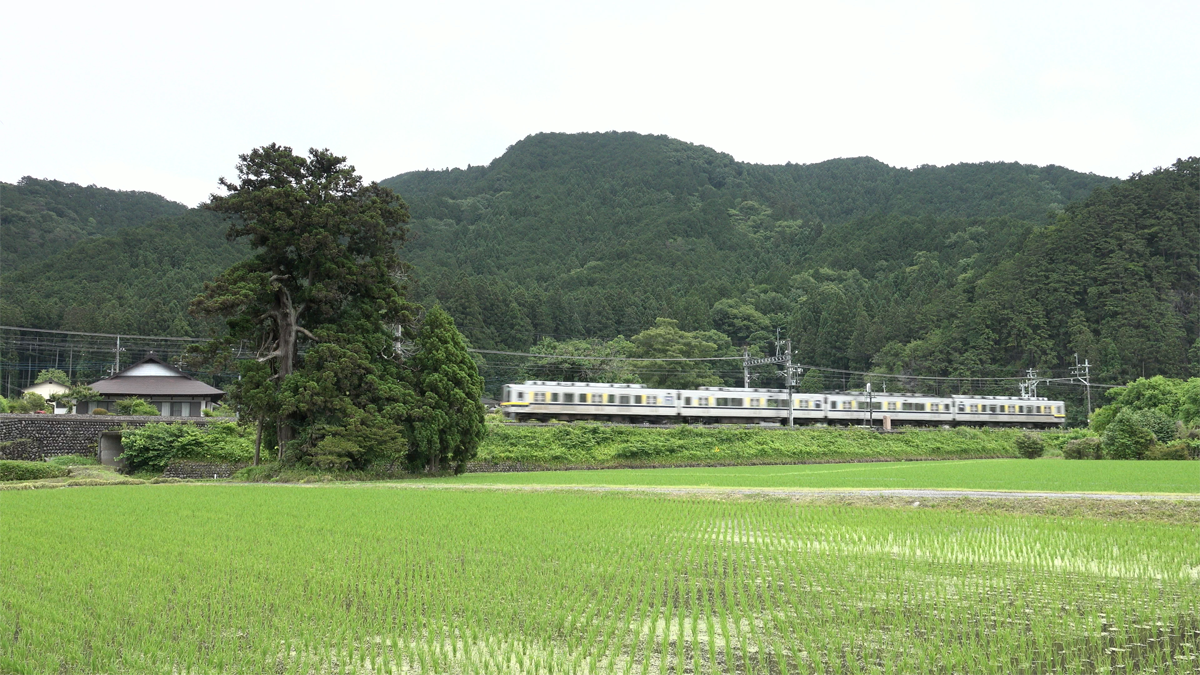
(561, 357)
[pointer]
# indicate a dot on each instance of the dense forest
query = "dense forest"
(581, 243)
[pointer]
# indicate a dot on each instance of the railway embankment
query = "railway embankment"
(510, 447)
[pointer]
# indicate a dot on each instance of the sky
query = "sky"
(163, 97)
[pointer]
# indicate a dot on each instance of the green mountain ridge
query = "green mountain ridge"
(961, 270)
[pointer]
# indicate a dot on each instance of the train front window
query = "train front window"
(520, 396)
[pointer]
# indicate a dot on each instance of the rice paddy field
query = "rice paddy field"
(288, 579)
(979, 474)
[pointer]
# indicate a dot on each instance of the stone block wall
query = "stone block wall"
(55, 435)
(184, 468)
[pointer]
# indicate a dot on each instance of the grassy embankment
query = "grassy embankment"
(597, 446)
(343, 579)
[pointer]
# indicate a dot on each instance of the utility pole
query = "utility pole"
(117, 359)
(1083, 374)
(785, 358)
(870, 407)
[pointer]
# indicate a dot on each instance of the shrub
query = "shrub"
(223, 410)
(73, 460)
(1177, 450)
(335, 454)
(136, 406)
(1083, 448)
(100, 411)
(1029, 445)
(153, 446)
(12, 469)
(3, 405)
(1125, 438)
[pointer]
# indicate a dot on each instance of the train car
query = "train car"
(637, 403)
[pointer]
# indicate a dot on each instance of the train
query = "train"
(538, 401)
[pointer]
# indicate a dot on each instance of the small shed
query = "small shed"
(48, 389)
(159, 384)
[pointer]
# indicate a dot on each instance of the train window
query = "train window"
(539, 397)
(554, 397)
(992, 408)
(687, 400)
(737, 402)
(520, 396)
(668, 400)
(1060, 410)
(651, 400)
(637, 399)
(817, 405)
(612, 398)
(877, 405)
(624, 399)
(1039, 409)
(891, 405)
(962, 408)
(906, 406)
(507, 396)
(975, 407)
(919, 407)
(583, 398)
(721, 402)
(568, 398)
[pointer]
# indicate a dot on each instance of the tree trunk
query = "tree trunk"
(285, 315)
(258, 441)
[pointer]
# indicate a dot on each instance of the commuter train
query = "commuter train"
(536, 401)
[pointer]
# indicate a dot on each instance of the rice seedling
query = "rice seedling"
(265, 579)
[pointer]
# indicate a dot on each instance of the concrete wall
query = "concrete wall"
(54, 435)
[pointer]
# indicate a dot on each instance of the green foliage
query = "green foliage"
(445, 420)
(135, 406)
(4, 407)
(153, 446)
(11, 469)
(1125, 437)
(667, 341)
(1029, 445)
(100, 411)
(1084, 448)
(73, 460)
(335, 454)
(52, 375)
(29, 402)
(812, 382)
(322, 279)
(222, 410)
(1179, 450)
(595, 445)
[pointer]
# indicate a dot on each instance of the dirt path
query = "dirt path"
(815, 492)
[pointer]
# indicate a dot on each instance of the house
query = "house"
(48, 389)
(159, 384)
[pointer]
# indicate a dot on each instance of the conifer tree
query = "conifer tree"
(445, 421)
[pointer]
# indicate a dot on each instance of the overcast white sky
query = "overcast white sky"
(163, 96)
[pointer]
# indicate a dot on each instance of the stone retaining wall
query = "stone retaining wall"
(54, 435)
(185, 468)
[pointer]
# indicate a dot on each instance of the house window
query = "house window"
(176, 408)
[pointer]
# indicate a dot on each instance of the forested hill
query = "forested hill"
(39, 218)
(598, 234)
(93, 259)
(964, 270)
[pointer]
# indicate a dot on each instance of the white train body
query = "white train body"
(637, 403)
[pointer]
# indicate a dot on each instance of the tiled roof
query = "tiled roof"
(155, 386)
